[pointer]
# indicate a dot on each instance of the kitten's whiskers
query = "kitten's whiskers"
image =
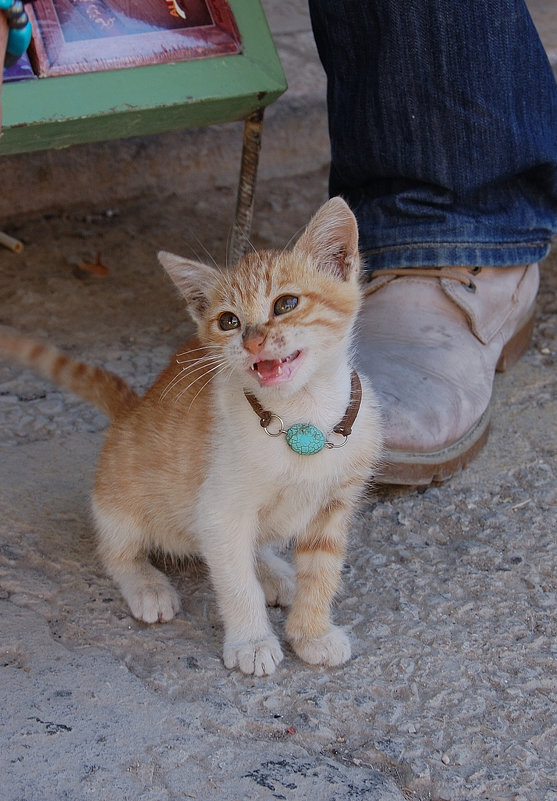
(205, 250)
(199, 365)
(179, 359)
(294, 236)
(255, 251)
(218, 368)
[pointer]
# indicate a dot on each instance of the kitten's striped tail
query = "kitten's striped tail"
(105, 390)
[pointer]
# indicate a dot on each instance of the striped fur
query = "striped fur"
(105, 390)
(188, 469)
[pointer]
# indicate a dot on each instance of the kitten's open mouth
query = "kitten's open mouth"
(275, 371)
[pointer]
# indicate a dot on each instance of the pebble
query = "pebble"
(51, 406)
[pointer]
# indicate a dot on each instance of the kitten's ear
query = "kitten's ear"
(331, 239)
(194, 280)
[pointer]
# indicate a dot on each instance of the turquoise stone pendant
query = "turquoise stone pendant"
(305, 439)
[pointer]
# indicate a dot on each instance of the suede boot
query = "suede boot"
(431, 340)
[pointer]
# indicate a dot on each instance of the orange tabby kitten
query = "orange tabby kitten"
(189, 467)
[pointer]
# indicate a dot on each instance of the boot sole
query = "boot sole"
(419, 469)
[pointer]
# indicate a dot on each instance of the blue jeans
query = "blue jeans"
(443, 128)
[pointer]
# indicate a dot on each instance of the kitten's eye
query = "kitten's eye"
(285, 304)
(228, 321)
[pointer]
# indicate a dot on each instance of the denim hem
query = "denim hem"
(452, 254)
(443, 128)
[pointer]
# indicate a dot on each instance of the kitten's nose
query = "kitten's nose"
(254, 339)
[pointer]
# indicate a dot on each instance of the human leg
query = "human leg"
(443, 124)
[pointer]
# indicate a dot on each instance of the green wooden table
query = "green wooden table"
(72, 109)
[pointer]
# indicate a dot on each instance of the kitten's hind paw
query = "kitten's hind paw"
(279, 589)
(277, 578)
(259, 658)
(330, 649)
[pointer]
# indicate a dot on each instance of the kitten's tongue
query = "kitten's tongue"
(275, 371)
(269, 368)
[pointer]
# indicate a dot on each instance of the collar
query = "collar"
(305, 438)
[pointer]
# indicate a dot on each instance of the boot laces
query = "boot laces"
(428, 272)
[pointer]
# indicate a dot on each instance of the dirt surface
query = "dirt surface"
(449, 593)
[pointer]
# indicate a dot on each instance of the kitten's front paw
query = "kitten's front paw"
(332, 648)
(258, 658)
(155, 602)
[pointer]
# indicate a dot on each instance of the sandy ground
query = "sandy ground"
(449, 593)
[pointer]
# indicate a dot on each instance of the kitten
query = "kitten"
(189, 468)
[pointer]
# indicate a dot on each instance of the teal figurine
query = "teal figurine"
(305, 439)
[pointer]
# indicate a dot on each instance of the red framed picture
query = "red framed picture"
(73, 36)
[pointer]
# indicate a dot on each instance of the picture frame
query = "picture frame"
(76, 36)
